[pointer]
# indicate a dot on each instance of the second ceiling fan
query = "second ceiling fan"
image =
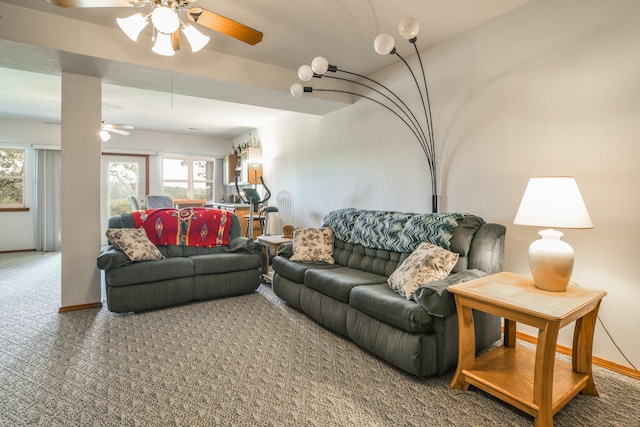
(165, 18)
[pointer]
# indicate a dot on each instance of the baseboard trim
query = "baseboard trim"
(603, 363)
(17, 250)
(80, 307)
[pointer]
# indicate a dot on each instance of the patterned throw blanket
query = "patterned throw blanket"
(185, 227)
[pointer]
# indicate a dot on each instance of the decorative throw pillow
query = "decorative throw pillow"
(313, 245)
(426, 264)
(134, 243)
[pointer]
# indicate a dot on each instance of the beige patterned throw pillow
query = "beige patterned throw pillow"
(134, 243)
(426, 263)
(313, 245)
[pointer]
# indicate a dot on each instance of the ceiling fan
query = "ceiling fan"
(165, 17)
(107, 128)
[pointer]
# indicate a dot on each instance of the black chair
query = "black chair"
(133, 202)
(156, 202)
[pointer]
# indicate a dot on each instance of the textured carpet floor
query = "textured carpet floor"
(241, 361)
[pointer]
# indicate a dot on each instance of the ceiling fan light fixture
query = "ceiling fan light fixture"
(196, 39)
(163, 45)
(104, 135)
(133, 25)
(165, 19)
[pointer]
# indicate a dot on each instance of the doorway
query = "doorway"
(123, 175)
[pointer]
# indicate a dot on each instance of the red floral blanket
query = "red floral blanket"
(185, 227)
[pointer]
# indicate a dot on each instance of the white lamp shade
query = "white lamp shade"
(409, 28)
(165, 20)
(305, 73)
(196, 39)
(553, 202)
(254, 156)
(319, 65)
(163, 45)
(384, 43)
(133, 25)
(297, 89)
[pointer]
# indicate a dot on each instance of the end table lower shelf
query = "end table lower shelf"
(505, 372)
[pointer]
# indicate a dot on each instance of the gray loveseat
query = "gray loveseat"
(185, 274)
(352, 297)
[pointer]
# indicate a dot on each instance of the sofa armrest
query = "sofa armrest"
(245, 245)
(110, 258)
(487, 248)
(285, 250)
(436, 299)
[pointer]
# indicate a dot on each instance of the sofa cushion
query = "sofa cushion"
(150, 271)
(385, 305)
(341, 221)
(110, 257)
(426, 264)
(223, 263)
(377, 261)
(134, 243)
(313, 245)
(338, 282)
(294, 271)
(380, 230)
(435, 228)
(461, 238)
(436, 299)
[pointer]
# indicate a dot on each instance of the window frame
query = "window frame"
(13, 207)
(190, 181)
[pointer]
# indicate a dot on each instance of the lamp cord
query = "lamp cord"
(615, 344)
(611, 338)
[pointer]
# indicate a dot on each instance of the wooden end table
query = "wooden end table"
(270, 242)
(534, 382)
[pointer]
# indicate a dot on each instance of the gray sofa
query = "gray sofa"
(186, 273)
(352, 297)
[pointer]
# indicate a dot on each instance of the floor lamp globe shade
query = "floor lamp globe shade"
(384, 43)
(320, 65)
(551, 261)
(409, 28)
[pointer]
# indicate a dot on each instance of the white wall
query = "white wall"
(551, 88)
(18, 228)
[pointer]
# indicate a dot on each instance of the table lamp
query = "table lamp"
(553, 202)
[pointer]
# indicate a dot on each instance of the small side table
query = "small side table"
(270, 242)
(534, 382)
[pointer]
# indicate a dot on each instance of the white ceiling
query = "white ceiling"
(295, 31)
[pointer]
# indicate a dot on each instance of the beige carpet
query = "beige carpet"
(241, 361)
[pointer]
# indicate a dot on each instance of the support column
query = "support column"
(80, 191)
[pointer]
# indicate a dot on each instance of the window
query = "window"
(187, 178)
(11, 178)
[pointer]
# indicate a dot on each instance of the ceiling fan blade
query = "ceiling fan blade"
(118, 131)
(225, 25)
(91, 3)
(175, 40)
(119, 126)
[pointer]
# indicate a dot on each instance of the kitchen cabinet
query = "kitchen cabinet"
(247, 166)
(231, 169)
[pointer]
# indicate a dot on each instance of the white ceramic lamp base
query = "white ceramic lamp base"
(551, 261)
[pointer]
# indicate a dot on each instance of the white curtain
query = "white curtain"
(48, 168)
